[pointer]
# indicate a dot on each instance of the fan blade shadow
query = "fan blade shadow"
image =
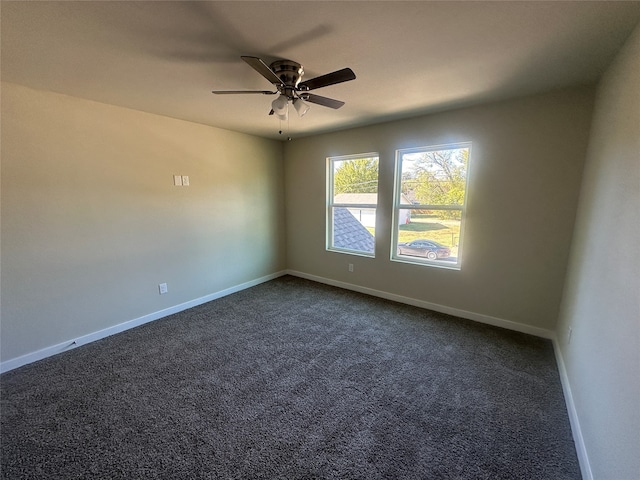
(218, 40)
(300, 39)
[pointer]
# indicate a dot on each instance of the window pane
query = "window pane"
(353, 198)
(356, 181)
(435, 177)
(433, 181)
(431, 234)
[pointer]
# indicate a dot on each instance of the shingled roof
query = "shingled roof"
(349, 233)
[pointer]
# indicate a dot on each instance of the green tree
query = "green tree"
(356, 176)
(439, 178)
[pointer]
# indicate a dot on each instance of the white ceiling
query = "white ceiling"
(409, 57)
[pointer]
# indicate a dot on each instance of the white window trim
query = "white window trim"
(397, 206)
(330, 204)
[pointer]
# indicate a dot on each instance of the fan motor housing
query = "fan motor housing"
(288, 71)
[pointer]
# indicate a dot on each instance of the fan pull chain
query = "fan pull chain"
(288, 125)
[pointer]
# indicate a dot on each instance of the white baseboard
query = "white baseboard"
(121, 327)
(478, 317)
(578, 439)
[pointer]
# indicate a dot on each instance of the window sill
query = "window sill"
(427, 263)
(352, 252)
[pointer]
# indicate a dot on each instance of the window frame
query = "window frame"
(331, 204)
(397, 206)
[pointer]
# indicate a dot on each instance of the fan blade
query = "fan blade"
(324, 101)
(332, 78)
(234, 92)
(263, 69)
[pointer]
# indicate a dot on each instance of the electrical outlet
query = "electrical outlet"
(351, 267)
(163, 288)
(185, 180)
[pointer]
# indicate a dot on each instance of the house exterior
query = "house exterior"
(367, 216)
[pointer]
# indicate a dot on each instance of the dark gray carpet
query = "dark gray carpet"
(292, 380)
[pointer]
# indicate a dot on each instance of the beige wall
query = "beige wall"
(91, 221)
(525, 172)
(602, 294)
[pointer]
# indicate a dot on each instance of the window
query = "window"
(429, 204)
(352, 199)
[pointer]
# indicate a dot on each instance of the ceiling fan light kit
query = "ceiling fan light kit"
(286, 76)
(300, 106)
(280, 107)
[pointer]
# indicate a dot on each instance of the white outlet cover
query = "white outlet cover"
(177, 180)
(163, 288)
(185, 180)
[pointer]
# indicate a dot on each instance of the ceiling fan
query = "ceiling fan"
(286, 76)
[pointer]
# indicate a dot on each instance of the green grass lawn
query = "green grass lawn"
(446, 232)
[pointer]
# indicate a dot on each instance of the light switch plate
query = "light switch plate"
(177, 180)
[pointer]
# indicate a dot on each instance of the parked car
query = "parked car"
(424, 248)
